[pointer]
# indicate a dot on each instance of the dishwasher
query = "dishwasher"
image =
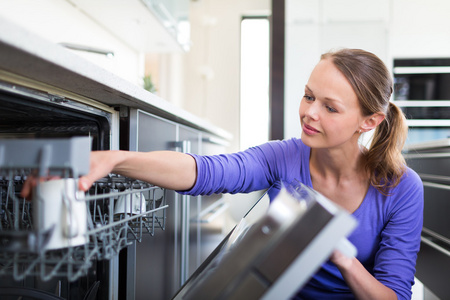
(47, 131)
(50, 247)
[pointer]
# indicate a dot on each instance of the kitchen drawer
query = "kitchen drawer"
(436, 164)
(436, 210)
(433, 267)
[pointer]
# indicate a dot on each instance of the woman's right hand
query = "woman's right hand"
(167, 169)
(101, 164)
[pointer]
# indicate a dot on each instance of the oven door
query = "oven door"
(422, 90)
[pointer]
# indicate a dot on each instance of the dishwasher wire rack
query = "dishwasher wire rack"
(111, 226)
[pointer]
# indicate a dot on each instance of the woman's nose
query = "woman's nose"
(311, 111)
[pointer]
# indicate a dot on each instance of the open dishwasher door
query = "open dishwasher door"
(274, 255)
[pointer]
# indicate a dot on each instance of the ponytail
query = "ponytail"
(384, 160)
(372, 83)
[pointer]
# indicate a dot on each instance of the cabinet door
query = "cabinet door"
(189, 142)
(212, 217)
(158, 257)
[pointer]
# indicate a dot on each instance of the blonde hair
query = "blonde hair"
(373, 86)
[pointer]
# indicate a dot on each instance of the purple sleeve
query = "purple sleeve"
(400, 239)
(231, 173)
(254, 169)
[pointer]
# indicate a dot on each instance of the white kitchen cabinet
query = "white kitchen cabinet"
(354, 10)
(420, 28)
(146, 26)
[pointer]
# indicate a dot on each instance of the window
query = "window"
(254, 73)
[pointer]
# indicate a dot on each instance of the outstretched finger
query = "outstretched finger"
(84, 183)
(27, 187)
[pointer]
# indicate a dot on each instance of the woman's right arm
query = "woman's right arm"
(167, 169)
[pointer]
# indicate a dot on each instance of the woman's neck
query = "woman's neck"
(338, 163)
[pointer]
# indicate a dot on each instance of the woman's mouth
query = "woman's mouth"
(309, 130)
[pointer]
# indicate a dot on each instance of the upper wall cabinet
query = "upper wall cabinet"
(354, 10)
(145, 25)
(420, 29)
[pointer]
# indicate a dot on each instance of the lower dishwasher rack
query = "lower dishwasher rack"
(111, 224)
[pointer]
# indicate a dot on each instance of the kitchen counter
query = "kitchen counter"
(25, 54)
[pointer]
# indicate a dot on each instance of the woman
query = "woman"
(346, 95)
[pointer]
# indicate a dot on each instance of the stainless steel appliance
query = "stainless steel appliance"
(191, 233)
(431, 160)
(47, 92)
(422, 90)
(41, 116)
(272, 256)
(64, 241)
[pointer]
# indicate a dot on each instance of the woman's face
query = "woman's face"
(329, 112)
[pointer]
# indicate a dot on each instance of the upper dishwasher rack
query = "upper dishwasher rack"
(117, 211)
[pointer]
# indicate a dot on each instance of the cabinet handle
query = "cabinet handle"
(78, 47)
(426, 155)
(436, 185)
(434, 178)
(435, 246)
(215, 141)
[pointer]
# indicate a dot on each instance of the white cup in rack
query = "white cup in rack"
(58, 204)
(130, 203)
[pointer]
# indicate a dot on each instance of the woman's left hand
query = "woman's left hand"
(342, 261)
(362, 284)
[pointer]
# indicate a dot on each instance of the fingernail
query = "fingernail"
(83, 185)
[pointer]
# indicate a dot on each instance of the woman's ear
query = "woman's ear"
(372, 121)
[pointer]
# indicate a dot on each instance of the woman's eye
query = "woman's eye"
(308, 98)
(330, 109)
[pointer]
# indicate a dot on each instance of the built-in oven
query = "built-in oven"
(422, 90)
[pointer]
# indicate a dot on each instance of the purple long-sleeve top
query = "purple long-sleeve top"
(389, 227)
